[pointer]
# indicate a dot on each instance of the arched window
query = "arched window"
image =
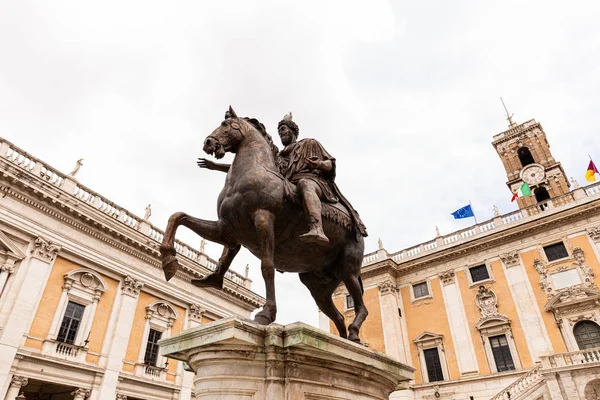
(587, 335)
(541, 194)
(525, 156)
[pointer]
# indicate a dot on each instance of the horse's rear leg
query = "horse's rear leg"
(209, 230)
(216, 278)
(264, 222)
(321, 291)
(354, 285)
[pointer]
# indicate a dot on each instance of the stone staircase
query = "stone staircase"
(522, 387)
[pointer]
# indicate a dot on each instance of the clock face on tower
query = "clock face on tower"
(533, 174)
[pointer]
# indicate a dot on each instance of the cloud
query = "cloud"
(404, 95)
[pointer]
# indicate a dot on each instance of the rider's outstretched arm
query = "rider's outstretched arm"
(213, 166)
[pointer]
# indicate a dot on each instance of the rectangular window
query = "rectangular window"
(420, 290)
(349, 302)
(501, 351)
(434, 366)
(70, 323)
(556, 251)
(479, 273)
(152, 347)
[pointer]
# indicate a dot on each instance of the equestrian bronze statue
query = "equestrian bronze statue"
(286, 209)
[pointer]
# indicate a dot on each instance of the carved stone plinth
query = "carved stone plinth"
(238, 359)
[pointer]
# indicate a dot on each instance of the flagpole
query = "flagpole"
(473, 213)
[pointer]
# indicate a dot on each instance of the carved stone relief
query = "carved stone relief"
(387, 287)
(447, 277)
(510, 259)
(594, 233)
(131, 286)
(45, 249)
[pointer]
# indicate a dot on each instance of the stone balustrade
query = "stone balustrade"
(581, 357)
(521, 385)
(70, 186)
(578, 196)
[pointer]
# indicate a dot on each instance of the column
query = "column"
(90, 319)
(194, 319)
(5, 270)
(534, 329)
(62, 305)
(392, 332)
(324, 322)
(459, 327)
(130, 290)
(32, 274)
(14, 389)
(80, 394)
(144, 342)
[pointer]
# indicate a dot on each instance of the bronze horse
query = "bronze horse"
(254, 213)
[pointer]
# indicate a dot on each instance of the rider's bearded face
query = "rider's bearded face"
(285, 134)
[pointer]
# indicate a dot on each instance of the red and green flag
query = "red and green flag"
(523, 191)
(590, 174)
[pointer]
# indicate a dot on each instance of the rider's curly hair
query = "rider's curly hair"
(290, 124)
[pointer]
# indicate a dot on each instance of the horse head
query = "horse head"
(227, 136)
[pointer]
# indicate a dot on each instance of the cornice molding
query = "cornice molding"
(147, 252)
(493, 240)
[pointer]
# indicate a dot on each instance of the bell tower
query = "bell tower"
(525, 153)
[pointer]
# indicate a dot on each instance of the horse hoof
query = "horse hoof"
(262, 319)
(170, 267)
(209, 281)
(354, 338)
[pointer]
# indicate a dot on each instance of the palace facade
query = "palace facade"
(506, 309)
(83, 299)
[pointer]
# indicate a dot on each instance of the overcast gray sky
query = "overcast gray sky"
(404, 94)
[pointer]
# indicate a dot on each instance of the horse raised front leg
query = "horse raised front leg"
(264, 222)
(216, 278)
(209, 230)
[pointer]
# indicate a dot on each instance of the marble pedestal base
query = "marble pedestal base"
(237, 359)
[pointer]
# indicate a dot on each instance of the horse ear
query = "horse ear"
(232, 113)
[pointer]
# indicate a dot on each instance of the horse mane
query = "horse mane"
(261, 128)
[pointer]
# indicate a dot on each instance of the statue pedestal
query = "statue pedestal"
(235, 359)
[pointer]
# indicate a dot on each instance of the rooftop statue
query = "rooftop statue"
(286, 209)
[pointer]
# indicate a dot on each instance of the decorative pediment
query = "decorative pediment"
(85, 282)
(162, 311)
(574, 299)
(428, 339)
(9, 248)
(492, 321)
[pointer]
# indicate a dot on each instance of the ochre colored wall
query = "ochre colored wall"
(206, 320)
(506, 306)
(137, 331)
(49, 303)
(103, 311)
(430, 317)
(371, 331)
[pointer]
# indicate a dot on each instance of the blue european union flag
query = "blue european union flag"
(464, 212)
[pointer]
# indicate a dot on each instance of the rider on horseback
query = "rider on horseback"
(311, 168)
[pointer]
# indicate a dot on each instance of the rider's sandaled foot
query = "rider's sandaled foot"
(212, 280)
(314, 236)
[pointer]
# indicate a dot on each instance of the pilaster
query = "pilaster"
(30, 281)
(459, 327)
(392, 330)
(16, 384)
(119, 340)
(534, 329)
